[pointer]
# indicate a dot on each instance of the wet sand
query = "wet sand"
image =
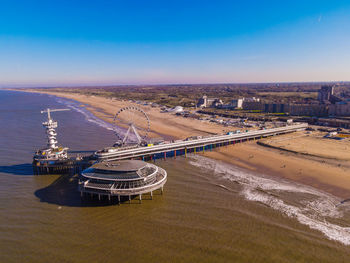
(328, 177)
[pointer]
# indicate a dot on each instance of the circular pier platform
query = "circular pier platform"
(121, 178)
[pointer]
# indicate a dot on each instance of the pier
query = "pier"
(55, 160)
(191, 146)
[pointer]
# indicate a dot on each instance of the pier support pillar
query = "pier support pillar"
(118, 199)
(140, 197)
(185, 152)
(161, 190)
(175, 154)
(81, 193)
(151, 195)
(99, 197)
(129, 199)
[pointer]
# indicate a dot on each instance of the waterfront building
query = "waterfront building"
(205, 102)
(202, 102)
(298, 109)
(122, 178)
(243, 103)
(237, 103)
(308, 109)
(340, 108)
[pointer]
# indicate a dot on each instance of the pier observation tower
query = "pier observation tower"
(50, 126)
(54, 158)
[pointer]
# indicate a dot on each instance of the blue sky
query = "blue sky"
(155, 42)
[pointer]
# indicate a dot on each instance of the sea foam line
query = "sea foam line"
(311, 212)
(89, 116)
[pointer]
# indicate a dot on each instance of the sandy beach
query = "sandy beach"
(165, 124)
(325, 167)
(327, 176)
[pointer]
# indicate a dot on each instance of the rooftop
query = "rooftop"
(120, 166)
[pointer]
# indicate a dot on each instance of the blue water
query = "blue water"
(22, 132)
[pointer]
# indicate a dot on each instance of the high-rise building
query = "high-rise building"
(325, 94)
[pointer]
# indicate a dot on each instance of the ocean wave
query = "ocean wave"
(311, 211)
(76, 106)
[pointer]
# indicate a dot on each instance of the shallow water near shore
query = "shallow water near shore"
(210, 211)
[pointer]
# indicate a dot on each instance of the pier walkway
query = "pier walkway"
(192, 146)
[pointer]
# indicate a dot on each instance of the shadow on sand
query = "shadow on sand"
(18, 169)
(64, 192)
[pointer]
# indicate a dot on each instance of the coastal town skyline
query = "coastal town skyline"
(115, 43)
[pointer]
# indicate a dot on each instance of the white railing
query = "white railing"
(120, 154)
(129, 191)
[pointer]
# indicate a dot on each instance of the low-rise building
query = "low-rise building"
(298, 109)
(340, 108)
(253, 105)
(237, 103)
(244, 103)
(308, 109)
(205, 102)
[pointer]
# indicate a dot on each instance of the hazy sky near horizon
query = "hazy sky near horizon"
(142, 42)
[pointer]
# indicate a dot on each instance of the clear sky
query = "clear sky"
(142, 42)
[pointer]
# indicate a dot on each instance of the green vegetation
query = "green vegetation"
(188, 95)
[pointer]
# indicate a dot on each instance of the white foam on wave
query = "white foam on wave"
(312, 212)
(89, 116)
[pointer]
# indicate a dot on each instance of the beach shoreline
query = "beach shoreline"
(328, 176)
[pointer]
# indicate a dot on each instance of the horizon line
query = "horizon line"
(20, 86)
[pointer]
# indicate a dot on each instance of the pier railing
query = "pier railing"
(115, 190)
(213, 141)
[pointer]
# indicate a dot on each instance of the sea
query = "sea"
(210, 211)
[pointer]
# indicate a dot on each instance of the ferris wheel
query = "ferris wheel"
(137, 122)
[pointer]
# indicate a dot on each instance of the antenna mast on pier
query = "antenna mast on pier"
(50, 126)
